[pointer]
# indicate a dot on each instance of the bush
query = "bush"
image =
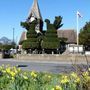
(50, 45)
(30, 44)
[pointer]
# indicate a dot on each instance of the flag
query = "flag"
(79, 14)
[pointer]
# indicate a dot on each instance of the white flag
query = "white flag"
(79, 14)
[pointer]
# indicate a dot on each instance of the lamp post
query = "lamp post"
(13, 34)
(77, 31)
(78, 16)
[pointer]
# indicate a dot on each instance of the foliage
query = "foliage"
(25, 25)
(34, 40)
(6, 47)
(57, 22)
(51, 40)
(84, 36)
(12, 78)
(31, 42)
(63, 41)
(39, 40)
(50, 45)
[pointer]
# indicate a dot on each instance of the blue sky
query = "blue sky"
(12, 12)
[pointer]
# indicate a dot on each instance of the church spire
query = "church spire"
(34, 12)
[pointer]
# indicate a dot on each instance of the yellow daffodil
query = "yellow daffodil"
(89, 69)
(49, 76)
(74, 75)
(8, 70)
(13, 78)
(64, 79)
(25, 77)
(85, 74)
(25, 73)
(12, 73)
(77, 80)
(52, 89)
(57, 87)
(33, 74)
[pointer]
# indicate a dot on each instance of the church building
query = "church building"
(34, 14)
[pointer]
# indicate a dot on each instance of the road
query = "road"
(44, 66)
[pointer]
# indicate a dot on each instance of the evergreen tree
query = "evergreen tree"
(84, 36)
(31, 42)
(50, 40)
(58, 22)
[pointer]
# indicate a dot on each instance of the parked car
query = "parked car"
(6, 54)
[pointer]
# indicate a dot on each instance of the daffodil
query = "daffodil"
(25, 73)
(19, 69)
(25, 77)
(33, 74)
(57, 87)
(85, 74)
(52, 89)
(89, 69)
(12, 74)
(13, 78)
(74, 75)
(8, 70)
(77, 80)
(49, 77)
(64, 79)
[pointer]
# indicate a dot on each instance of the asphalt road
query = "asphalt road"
(45, 66)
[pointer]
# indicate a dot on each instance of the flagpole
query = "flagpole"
(77, 31)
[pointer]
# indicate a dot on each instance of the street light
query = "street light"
(13, 34)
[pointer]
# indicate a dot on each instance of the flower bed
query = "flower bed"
(12, 78)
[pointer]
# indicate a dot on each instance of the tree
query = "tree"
(6, 47)
(31, 42)
(51, 40)
(84, 36)
(25, 25)
(57, 23)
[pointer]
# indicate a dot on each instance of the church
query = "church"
(35, 14)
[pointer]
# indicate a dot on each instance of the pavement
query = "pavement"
(46, 66)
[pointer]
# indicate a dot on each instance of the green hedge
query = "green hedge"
(29, 44)
(50, 45)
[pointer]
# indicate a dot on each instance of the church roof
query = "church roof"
(23, 37)
(70, 34)
(35, 11)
